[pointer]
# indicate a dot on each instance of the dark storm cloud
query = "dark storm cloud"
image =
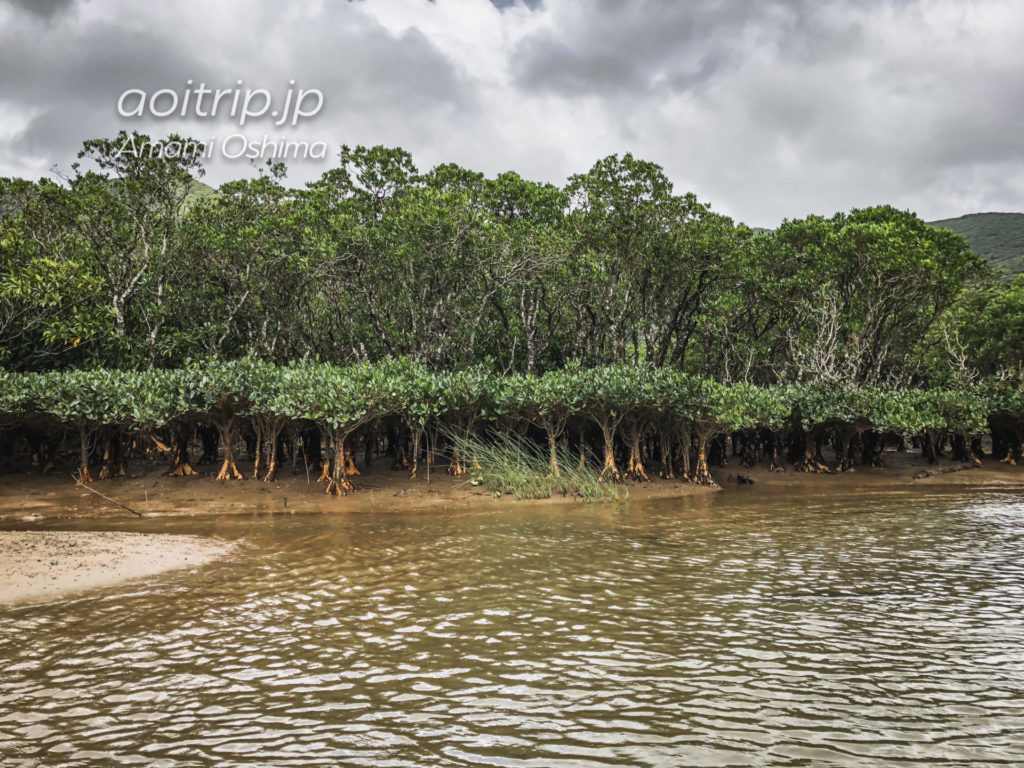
(44, 9)
(378, 69)
(631, 48)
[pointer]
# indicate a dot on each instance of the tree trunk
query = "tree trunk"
(808, 461)
(873, 445)
(747, 448)
(312, 448)
(113, 454)
(701, 474)
(635, 470)
(270, 427)
(844, 453)
(84, 475)
(338, 484)
(774, 442)
(417, 435)
(271, 476)
(665, 448)
(326, 457)
(226, 428)
(350, 464)
(609, 470)
(257, 452)
(928, 447)
(977, 452)
(552, 450)
(180, 467)
(455, 466)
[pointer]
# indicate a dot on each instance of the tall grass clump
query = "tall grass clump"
(507, 463)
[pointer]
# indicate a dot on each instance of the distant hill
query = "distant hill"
(996, 237)
(197, 191)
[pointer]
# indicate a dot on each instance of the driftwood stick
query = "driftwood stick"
(103, 496)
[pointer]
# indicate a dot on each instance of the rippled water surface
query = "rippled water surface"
(734, 630)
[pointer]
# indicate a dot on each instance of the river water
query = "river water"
(734, 629)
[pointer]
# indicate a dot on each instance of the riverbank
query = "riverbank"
(39, 565)
(31, 496)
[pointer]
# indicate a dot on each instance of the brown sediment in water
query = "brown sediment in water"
(46, 564)
(39, 565)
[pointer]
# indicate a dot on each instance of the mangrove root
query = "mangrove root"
(339, 487)
(810, 464)
(229, 471)
(181, 469)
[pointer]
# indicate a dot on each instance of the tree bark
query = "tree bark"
(635, 470)
(608, 434)
(84, 475)
(180, 467)
(226, 428)
(701, 473)
(338, 484)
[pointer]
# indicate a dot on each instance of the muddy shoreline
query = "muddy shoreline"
(30, 496)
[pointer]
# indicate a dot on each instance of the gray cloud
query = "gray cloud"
(619, 48)
(765, 110)
(781, 108)
(44, 9)
(69, 77)
(503, 5)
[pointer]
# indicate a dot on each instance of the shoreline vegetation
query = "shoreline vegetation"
(530, 339)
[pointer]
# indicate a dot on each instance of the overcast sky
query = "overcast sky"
(765, 110)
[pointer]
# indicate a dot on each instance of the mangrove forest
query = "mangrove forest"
(610, 325)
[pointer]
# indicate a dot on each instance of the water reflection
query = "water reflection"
(738, 629)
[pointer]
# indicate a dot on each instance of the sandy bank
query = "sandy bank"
(41, 564)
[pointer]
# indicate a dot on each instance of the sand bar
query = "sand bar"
(38, 565)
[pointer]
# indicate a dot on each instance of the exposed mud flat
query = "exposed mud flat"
(37, 565)
(29, 496)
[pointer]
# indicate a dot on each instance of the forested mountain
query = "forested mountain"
(997, 237)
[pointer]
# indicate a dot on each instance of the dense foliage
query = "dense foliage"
(610, 317)
(620, 406)
(133, 264)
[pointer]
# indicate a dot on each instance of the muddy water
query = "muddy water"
(739, 629)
